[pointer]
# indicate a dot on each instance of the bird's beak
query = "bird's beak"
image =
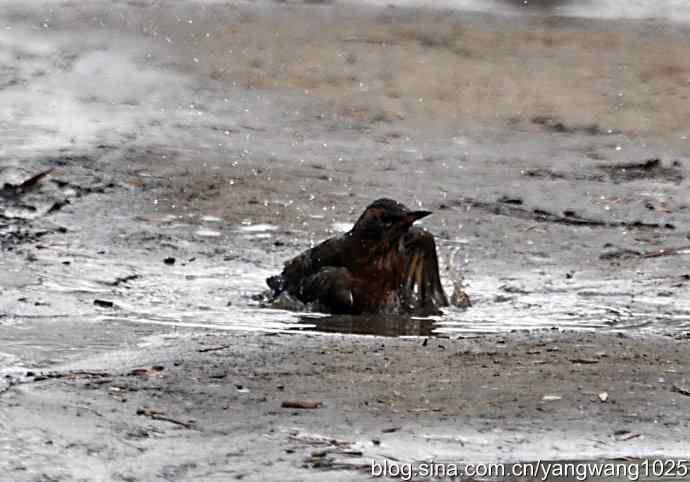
(416, 215)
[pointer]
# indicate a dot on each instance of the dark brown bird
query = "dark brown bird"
(382, 265)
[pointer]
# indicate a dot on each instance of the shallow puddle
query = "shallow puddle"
(101, 302)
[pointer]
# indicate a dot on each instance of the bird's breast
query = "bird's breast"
(385, 266)
(377, 278)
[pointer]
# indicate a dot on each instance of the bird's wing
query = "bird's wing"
(421, 288)
(332, 252)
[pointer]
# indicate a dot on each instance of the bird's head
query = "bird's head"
(385, 219)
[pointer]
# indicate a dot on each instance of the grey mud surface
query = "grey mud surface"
(118, 365)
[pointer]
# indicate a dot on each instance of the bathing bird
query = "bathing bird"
(384, 264)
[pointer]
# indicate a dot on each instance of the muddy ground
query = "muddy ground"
(209, 406)
(196, 145)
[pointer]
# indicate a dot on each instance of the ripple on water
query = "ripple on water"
(209, 295)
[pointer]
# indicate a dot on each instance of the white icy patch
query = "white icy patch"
(341, 227)
(257, 228)
(207, 233)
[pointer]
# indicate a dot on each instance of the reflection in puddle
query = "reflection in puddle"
(368, 325)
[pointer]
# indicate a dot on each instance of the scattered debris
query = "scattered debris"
(70, 375)
(623, 253)
(122, 279)
(617, 173)
(667, 252)
(316, 439)
(513, 289)
(329, 463)
(546, 173)
(14, 191)
(584, 361)
(623, 435)
(156, 415)
(682, 390)
(301, 404)
(545, 216)
(554, 125)
(169, 260)
(648, 169)
(551, 398)
(213, 348)
(138, 372)
(391, 429)
(631, 253)
(603, 397)
(338, 451)
(103, 303)
(509, 200)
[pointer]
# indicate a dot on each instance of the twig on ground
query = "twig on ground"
(156, 415)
